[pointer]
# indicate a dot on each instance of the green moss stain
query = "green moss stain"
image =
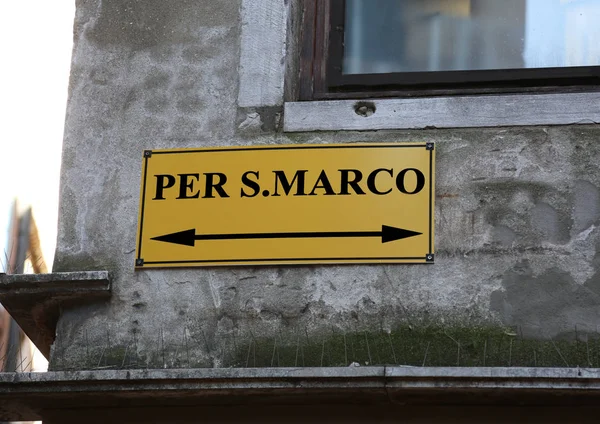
(427, 346)
(430, 346)
(85, 262)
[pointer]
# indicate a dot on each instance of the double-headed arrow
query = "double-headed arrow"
(188, 237)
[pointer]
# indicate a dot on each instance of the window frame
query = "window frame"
(321, 75)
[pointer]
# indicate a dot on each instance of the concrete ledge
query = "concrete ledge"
(446, 112)
(27, 396)
(35, 300)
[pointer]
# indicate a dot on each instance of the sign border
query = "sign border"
(428, 258)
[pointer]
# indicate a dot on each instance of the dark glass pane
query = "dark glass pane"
(383, 36)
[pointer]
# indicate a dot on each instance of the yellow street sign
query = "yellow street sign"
(301, 204)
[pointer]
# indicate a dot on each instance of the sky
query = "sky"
(36, 37)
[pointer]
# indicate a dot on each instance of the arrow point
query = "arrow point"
(186, 238)
(392, 233)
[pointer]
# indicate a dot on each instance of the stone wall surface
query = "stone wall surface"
(516, 279)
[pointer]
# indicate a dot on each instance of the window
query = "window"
(382, 48)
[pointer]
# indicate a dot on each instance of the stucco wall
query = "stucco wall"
(516, 279)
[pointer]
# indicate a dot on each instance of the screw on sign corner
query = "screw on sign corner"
(365, 109)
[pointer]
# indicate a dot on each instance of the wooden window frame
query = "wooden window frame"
(321, 75)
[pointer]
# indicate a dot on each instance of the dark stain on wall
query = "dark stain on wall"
(550, 305)
(146, 23)
(526, 213)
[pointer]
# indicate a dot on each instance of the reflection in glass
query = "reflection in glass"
(383, 36)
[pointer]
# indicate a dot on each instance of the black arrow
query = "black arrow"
(188, 237)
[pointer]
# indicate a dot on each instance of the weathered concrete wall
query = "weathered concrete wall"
(516, 279)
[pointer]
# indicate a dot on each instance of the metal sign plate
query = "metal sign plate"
(301, 204)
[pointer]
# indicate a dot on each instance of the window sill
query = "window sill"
(445, 112)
